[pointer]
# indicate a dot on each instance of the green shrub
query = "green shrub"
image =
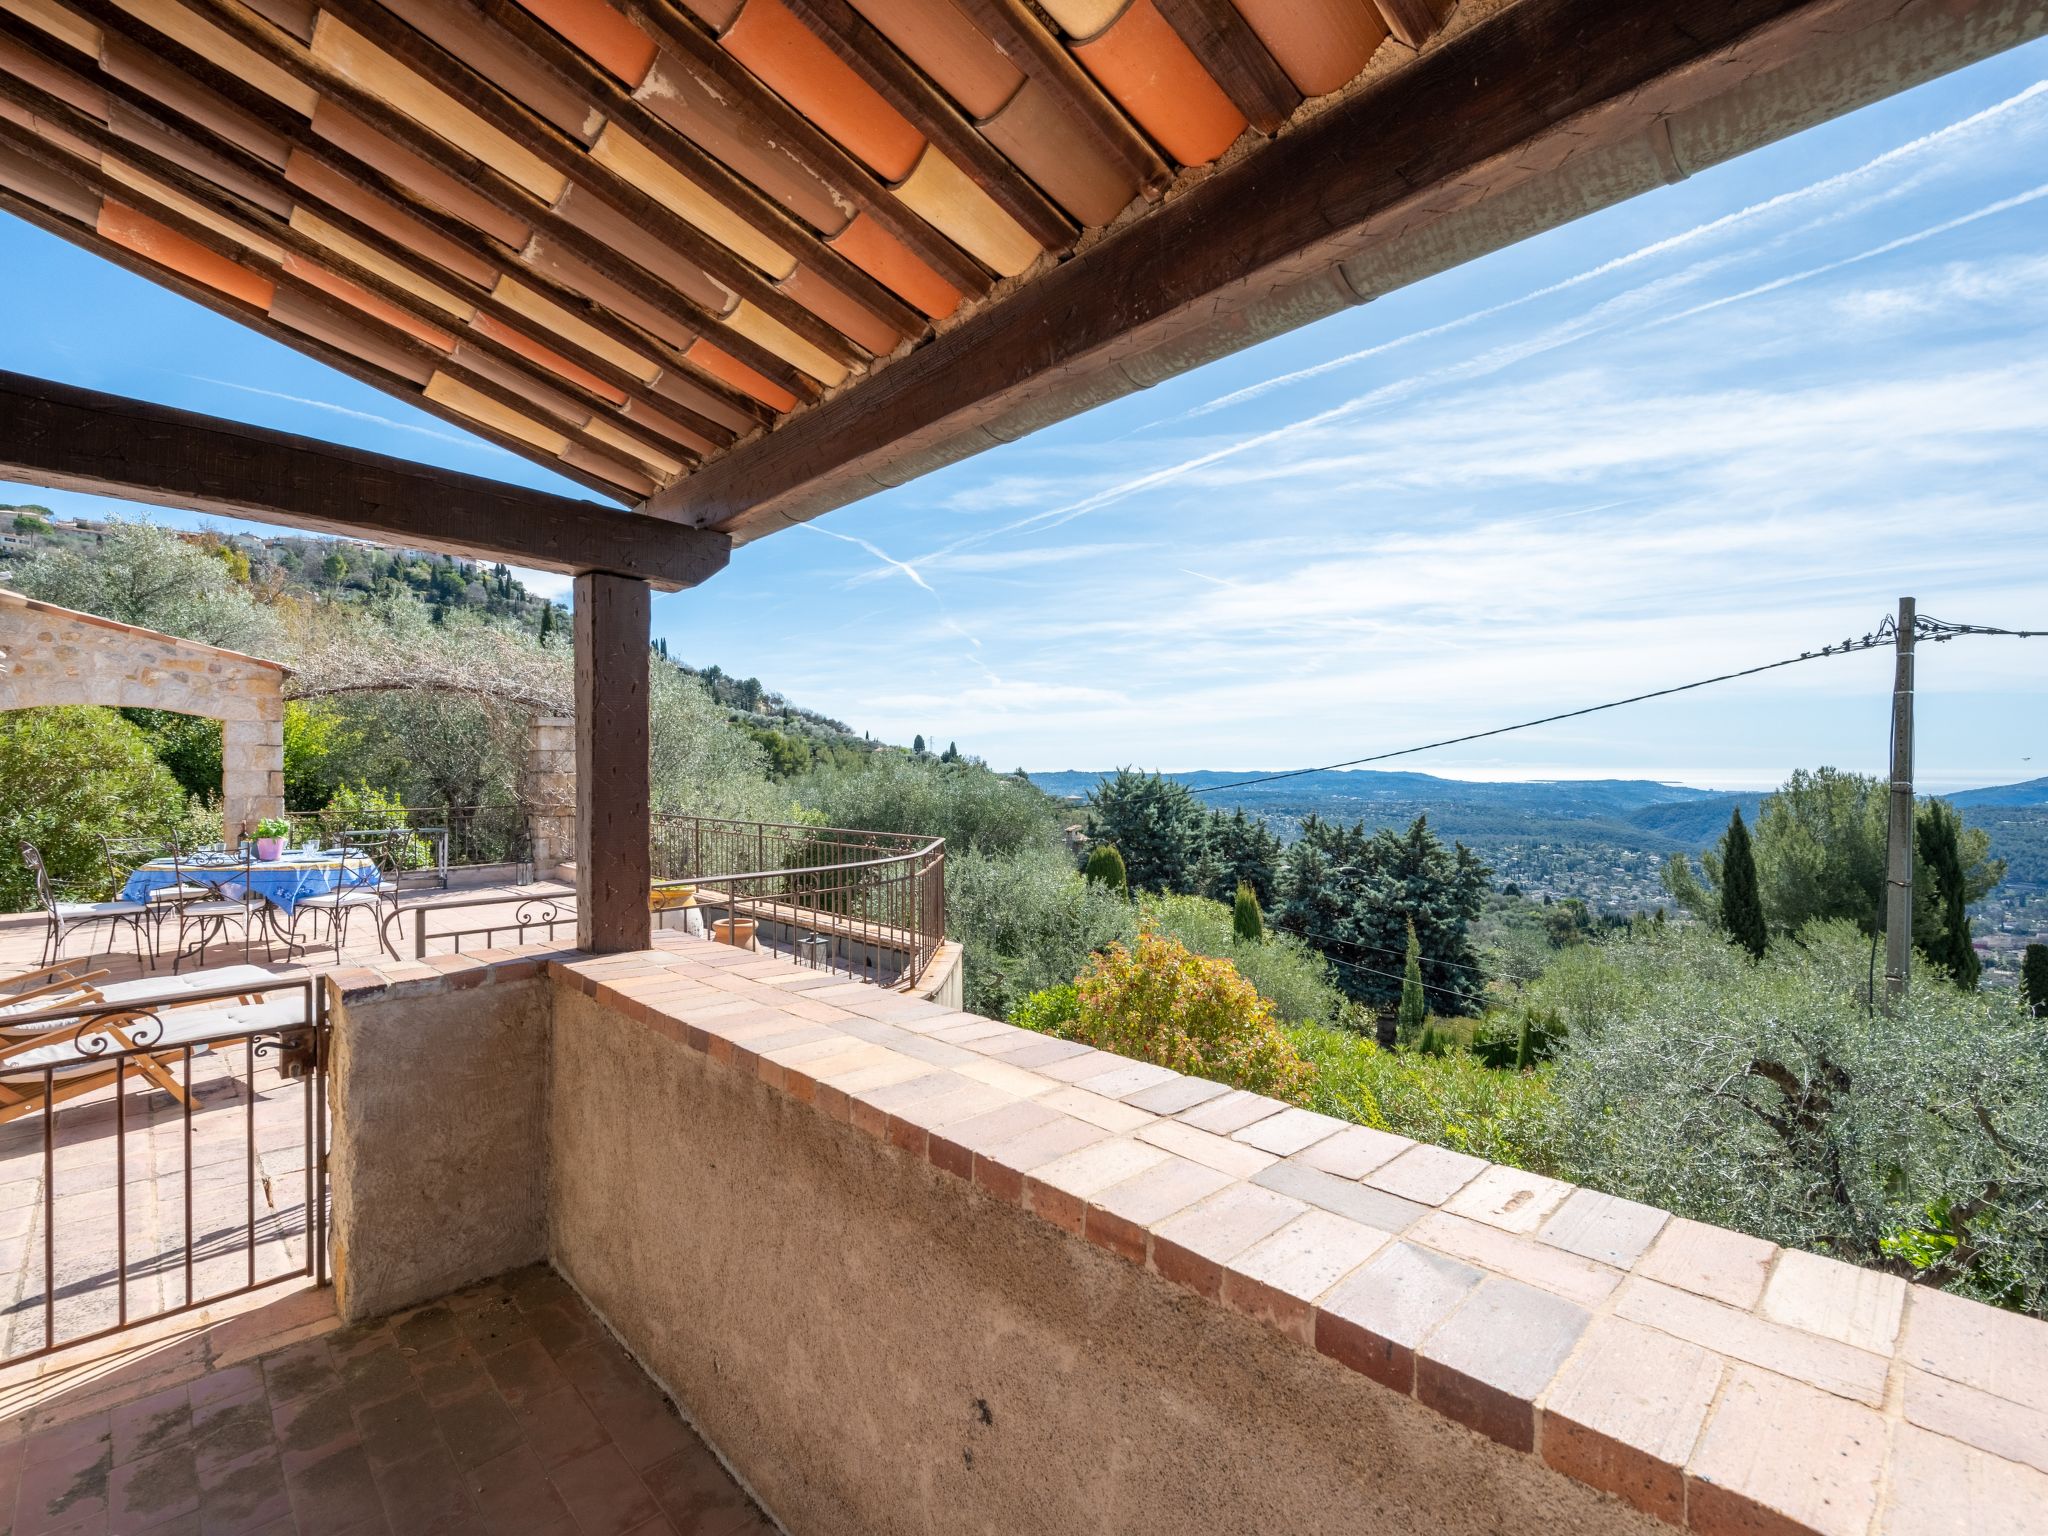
(1105, 867)
(1451, 1099)
(1027, 921)
(1052, 1011)
(66, 775)
(1158, 1001)
(1289, 975)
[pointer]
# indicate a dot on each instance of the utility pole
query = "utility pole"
(1898, 882)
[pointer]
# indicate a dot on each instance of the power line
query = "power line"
(1932, 629)
(1352, 965)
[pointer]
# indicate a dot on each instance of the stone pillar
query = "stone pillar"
(252, 767)
(614, 843)
(548, 791)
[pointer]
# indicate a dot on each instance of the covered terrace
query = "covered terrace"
(731, 264)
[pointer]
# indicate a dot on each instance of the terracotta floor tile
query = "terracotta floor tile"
(242, 1496)
(424, 1491)
(602, 1493)
(559, 1426)
(525, 1370)
(513, 1494)
(477, 1427)
(335, 1495)
(396, 1429)
(152, 1424)
(153, 1488)
(697, 1495)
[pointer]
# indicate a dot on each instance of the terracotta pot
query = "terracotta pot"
(736, 931)
(268, 847)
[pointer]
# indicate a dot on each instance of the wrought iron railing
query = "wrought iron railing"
(871, 904)
(210, 1131)
(448, 836)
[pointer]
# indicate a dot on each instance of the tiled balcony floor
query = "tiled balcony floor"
(504, 1408)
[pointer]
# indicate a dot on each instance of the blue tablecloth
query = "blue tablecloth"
(284, 883)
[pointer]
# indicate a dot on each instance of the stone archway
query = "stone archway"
(51, 655)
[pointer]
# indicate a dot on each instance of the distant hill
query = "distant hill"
(2032, 792)
(1604, 840)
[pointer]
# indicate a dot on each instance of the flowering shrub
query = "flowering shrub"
(1162, 1003)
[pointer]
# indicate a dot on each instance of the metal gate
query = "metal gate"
(158, 1153)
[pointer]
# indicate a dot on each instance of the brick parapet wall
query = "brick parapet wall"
(1702, 1376)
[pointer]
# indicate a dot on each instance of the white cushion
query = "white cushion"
(98, 908)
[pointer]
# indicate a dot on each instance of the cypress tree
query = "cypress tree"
(1247, 923)
(1948, 947)
(2034, 979)
(1106, 867)
(1742, 903)
(1414, 1014)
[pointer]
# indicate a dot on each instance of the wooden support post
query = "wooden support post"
(613, 838)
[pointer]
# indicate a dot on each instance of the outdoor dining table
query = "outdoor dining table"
(283, 882)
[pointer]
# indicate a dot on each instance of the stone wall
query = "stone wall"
(547, 789)
(51, 655)
(438, 1088)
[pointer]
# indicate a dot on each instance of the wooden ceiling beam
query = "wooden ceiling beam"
(66, 438)
(344, 363)
(871, 56)
(1223, 41)
(1413, 22)
(1014, 29)
(459, 83)
(1260, 245)
(288, 54)
(427, 360)
(281, 233)
(782, 124)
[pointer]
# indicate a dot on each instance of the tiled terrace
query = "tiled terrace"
(505, 1408)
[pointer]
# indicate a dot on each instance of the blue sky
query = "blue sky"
(1726, 422)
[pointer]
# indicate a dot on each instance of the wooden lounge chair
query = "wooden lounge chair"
(42, 1065)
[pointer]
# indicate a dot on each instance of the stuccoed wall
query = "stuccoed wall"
(878, 1348)
(439, 1095)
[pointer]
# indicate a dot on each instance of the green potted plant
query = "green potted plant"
(271, 834)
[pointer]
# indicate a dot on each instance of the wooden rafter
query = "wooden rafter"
(1020, 35)
(1218, 35)
(287, 53)
(848, 34)
(846, 176)
(279, 232)
(80, 440)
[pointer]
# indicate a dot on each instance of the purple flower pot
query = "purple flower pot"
(267, 847)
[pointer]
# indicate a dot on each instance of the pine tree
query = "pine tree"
(1247, 923)
(547, 621)
(917, 745)
(1414, 1015)
(1106, 867)
(1742, 903)
(1947, 947)
(2034, 979)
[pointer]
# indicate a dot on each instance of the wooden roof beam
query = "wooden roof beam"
(1015, 30)
(71, 439)
(1535, 115)
(345, 363)
(1218, 35)
(778, 120)
(288, 54)
(871, 56)
(280, 233)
